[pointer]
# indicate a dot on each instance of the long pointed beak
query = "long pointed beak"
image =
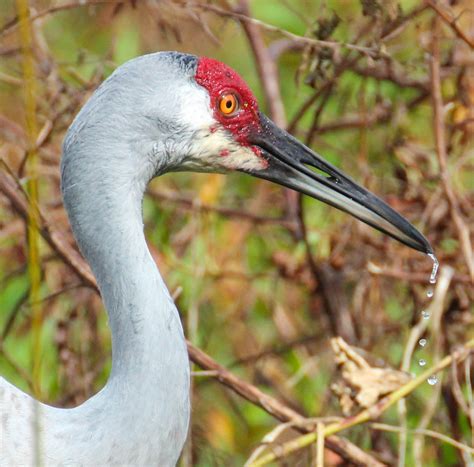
(292, 164)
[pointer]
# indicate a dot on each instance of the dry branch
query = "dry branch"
(54, 238)
(193, 204)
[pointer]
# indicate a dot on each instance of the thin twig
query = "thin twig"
(451, 21)
(193, 204)
(369, 51)
(440, 136)
(12, 25)
(424, 432)
(408, 276)
(320, 445)
(436, 310)
(380, 113)
(383, 72)
(470, 396)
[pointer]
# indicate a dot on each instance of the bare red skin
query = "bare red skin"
(219, 79)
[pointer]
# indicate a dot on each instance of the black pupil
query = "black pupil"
(228, 104)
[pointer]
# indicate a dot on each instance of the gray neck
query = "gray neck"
(137, 301)
(149, 381)
(104, 208)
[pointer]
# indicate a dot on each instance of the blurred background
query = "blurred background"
(263, 278)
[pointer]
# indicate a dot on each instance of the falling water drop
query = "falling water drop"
(434, 271)
(432, 380)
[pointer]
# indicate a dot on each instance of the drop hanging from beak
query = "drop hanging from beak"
(291, 164)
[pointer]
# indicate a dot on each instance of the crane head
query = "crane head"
(170, 111)
(242, 138)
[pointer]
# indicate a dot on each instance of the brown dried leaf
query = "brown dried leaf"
(362, 385)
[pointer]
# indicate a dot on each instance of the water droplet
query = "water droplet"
(425, 314)
(432, 380)
(421, 362)
(434, 271)
(429, 293)
(422, 342)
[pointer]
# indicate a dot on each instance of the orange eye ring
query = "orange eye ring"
(228, 104)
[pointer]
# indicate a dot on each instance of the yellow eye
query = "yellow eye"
(228, 104)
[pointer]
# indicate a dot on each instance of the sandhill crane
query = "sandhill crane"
(163, 112)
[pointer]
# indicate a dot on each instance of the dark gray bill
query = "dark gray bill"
(289, 163)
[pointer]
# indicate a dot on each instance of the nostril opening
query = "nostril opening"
(319, 171)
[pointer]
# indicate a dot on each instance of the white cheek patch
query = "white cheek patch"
(243, 158)
(215, 148)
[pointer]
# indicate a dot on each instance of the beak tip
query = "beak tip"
(429, 249)
(423, 245)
